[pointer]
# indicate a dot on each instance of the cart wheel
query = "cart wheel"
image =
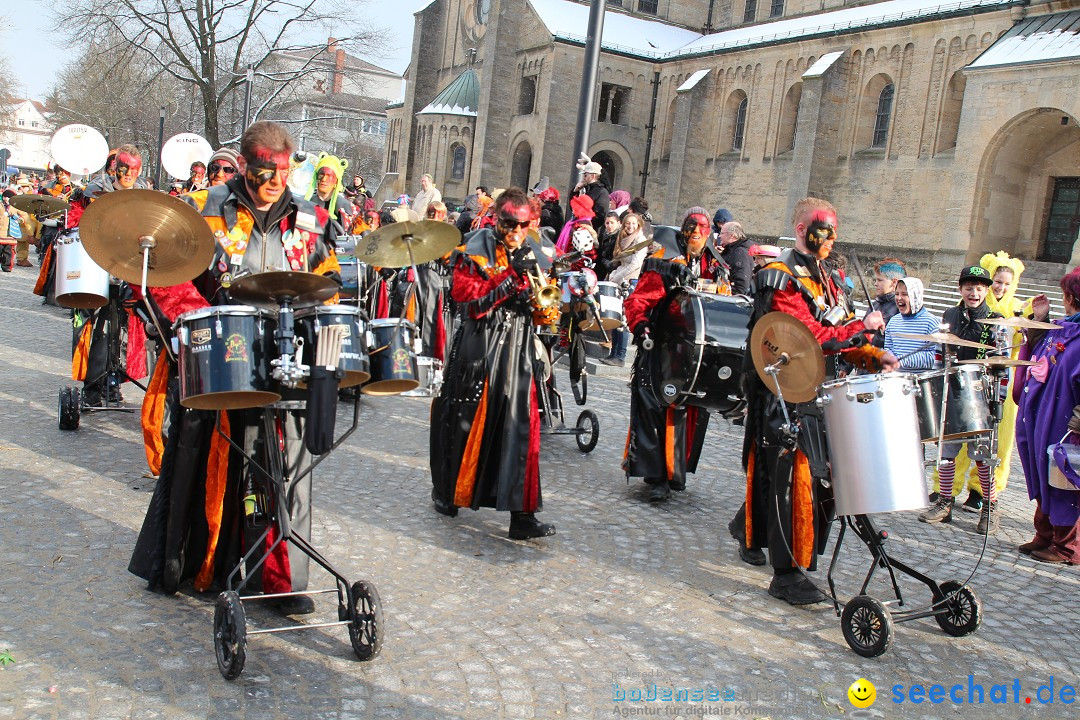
(867, 626)
(366, 621)
(68, 409)
(962, 614)
(588, 430)
(230, 635)
(580, 388)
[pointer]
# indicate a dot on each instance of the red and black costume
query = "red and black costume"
(664, 442)
(194, 527)
(485, 424)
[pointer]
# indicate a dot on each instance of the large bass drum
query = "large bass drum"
(225, 355)
(80, 282)
(875, 450)
(700, 343)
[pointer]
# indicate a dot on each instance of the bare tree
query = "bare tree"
(205, 46)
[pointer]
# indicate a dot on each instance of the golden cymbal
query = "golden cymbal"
(116, 226)
(389, 245)
(1019, 322)
(944, 338)
(780, 338)
(998, 361)
(265, 288)
(38, 204)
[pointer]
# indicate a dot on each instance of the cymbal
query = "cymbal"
(779, 337)
(998, 361)
(944, 338)
(115, 226)
(389, 245)
(1019, 322)
(304, 288)
(38, 204)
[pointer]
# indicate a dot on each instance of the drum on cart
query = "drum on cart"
(609, 302)
(874, 446)
(967, 412)
(80, 282)
(393, 357)
(225, 355)
(699, 348)
(354, 356)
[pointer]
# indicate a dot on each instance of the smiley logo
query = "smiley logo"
(862, 693)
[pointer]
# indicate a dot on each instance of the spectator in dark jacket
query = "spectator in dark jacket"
(468, 214)
(590, 185)
(735, 249)
(551, 214)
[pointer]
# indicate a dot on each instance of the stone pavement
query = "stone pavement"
(624, 597)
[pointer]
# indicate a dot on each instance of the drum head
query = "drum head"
(232, 400)
(390, 387)
(82, 301)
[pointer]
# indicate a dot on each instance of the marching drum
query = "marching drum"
(429, 375)
(874, 446)
(575, 285)
(610, 308)
(393, 357)
(700, 355)
(968, 412)
(80, 282)
(225, 355)
(354, 357)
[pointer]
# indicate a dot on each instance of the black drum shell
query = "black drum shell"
(968, 411)
(700, 342)
(393, 360)
(354, 351)
(224, 358)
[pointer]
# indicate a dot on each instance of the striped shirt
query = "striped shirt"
(921, 323)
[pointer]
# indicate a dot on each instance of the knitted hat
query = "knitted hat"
(228, 155)
(696, 210)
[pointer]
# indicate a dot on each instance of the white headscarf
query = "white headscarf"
(915, 293)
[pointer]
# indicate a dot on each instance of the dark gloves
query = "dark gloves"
(522, 260)
(1074, 421)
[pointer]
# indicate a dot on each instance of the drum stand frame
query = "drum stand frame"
(553, 415)
(113, 368)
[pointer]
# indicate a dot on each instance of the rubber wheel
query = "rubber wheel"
(230, 635)
(580, 388)
(67, 412)
(365, 620)
(962, 613)
(588, 431)
(867, 626)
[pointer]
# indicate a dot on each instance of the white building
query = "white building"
(26, 131)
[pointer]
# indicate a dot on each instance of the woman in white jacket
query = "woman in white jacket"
(626, 260)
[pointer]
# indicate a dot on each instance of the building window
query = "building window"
(614, 104)
(373, 127)
(776, 9)
(750, 12)
(22, 122)
(527, 96)
(647, 6)
(457, 169)
(392, 165)
(615, 3)
(884, 112)
(33, 123)
(740, 125)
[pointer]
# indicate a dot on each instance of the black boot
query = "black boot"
(442, 506)
(524, 526)
(659, 492)
(737, 528)
(795, 589)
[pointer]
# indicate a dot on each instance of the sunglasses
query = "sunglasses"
(215, 168)
(324, 173)
(511, 224)
(261, 176)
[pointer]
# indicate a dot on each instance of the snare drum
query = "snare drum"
(968, 411)
(609, 306)
(430, 377)
(80, 282)
(393, 357)
(354, 358)
(575, 285)
(700, 348)
(225, 355)
(874, 447)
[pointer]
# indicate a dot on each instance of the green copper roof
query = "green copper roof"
(458, 98)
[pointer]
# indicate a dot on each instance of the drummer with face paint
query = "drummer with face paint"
(788, 499)
(195, 529)
(665, 442)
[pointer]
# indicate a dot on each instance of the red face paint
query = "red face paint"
(126, 163)
(266, 175)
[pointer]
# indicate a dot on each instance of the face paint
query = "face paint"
(266, 176)
(821, 233)
(696, 231)
(128, 168)
(513, 224)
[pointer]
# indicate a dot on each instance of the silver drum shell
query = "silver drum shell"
(875, 449)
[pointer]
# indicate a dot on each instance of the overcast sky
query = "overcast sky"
(35, 58)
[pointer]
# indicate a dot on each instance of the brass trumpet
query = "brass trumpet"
(545, 293)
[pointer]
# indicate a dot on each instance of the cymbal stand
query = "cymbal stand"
(789, 428)
(289, 369)
(148, 243)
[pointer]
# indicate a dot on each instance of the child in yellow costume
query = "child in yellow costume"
(1001, 299)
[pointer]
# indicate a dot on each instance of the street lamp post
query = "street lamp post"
(588, 86)
(249, 79)
(160, 143)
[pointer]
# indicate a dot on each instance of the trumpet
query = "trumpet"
(545, 293)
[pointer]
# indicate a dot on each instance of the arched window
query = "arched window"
(521, 165)
(789, 119)
(457, 165)
(951, 106)
(740, 125)
(884, 113)
(527, 95)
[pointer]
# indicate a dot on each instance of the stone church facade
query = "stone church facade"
(940, 129)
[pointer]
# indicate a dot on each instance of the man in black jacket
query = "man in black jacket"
(592, 186)
(735, 249)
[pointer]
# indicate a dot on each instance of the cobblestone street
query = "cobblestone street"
(625, 596)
